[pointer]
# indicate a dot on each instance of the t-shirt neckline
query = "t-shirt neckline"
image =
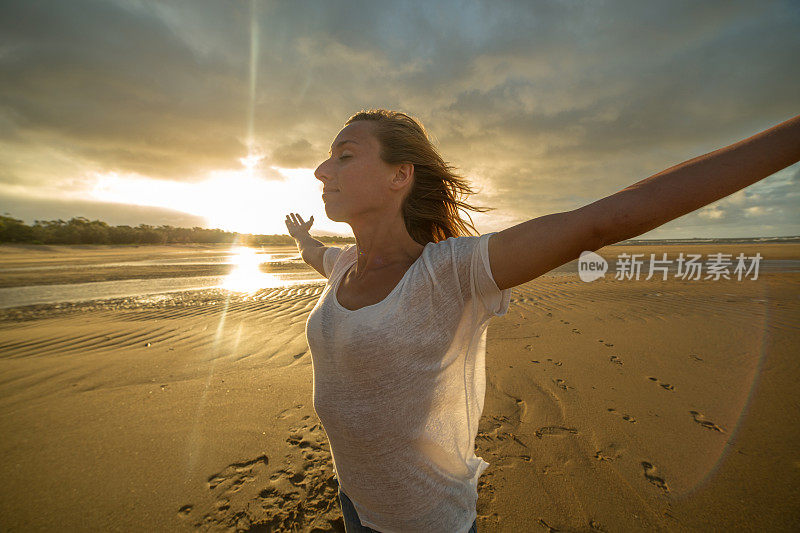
(396, 288)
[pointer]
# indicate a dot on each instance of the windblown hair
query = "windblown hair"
(431, 208)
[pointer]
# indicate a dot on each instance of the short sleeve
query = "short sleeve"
(494, 300)
(329, 259)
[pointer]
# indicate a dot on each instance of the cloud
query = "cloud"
(298, 154)
(115, 86)
(547, 105)
(712, 213)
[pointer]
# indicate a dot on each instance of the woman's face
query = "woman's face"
(355, 179)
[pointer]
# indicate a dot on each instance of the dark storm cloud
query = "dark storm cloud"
(547, 105)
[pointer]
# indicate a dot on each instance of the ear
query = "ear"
(404, 176)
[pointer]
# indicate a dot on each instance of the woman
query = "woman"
(398, 335)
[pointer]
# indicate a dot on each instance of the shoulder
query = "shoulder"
(333, 255)
(343, 251)
(454, 255)
(457, 243)
(469, 254)
(461, 248)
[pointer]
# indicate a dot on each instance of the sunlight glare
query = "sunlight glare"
(246, 275)
(250, 200)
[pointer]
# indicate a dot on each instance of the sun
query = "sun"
(254, 199)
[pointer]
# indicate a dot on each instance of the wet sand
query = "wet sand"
(25, 265)
(616, 405)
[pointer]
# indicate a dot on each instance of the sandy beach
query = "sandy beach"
(615, 405)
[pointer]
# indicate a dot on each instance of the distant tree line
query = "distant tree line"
(80, 230)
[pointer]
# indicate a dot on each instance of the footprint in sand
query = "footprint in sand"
(554, 431)
(609, 453)
(301, 494)
(708, 424)
(487, 494)
(497, 431)
(486, 497)
(497, 434)
(600, 456)
(625, 417)
(650, 475)
(615, 359)
(665, 386)
(288, 413)
(606, 343)
(557, 363)
(530, 347)
(561, 384)
(597, 526)
(696, 357)
(548, 527)
(235, 475)
(593, 525)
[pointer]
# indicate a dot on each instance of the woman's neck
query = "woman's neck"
(384, 245)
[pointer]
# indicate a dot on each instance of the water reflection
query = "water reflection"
(247, 276)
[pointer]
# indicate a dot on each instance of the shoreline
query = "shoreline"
(67, 266)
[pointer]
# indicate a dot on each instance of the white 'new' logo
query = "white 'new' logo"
(591, 266)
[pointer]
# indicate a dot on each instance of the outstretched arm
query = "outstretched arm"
(681, 189)
(525, 251)
(311, 250)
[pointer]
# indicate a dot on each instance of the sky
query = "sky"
(215, 114)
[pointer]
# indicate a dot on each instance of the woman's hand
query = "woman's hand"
(297, 228)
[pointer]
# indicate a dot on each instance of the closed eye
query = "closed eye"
(343, 156)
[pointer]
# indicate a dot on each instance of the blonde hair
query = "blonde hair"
(430, 209)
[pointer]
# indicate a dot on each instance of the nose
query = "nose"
(321, 174)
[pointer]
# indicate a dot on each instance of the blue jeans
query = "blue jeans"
(353, 525)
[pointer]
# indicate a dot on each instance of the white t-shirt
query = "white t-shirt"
(399, 386)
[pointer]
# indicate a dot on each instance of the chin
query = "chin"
(333, 215)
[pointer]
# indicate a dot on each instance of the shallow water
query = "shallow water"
(101, 290)
(246, 277)
(220, 259)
